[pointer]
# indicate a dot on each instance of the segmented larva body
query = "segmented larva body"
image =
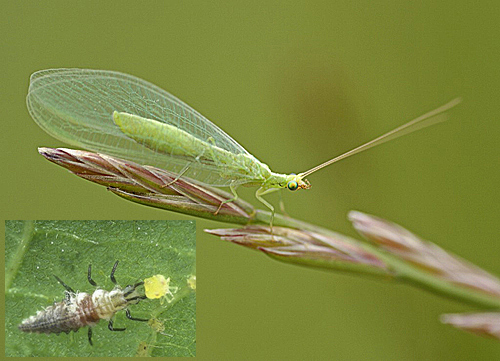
(79, 310)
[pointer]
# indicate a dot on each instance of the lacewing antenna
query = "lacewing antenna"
(433, 117)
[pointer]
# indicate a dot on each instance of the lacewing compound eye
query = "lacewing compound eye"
(80, 309)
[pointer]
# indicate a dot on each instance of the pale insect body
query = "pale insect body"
(80, 309)
(125, 116)
(192, 282)
(158, 286)
(164, 138)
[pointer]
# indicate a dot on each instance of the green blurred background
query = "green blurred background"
(294, 82)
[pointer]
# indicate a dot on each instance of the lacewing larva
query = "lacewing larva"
(124, 116)
(80, 309)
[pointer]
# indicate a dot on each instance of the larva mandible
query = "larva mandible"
(80, 309)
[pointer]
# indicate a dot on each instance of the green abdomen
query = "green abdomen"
(172, 141)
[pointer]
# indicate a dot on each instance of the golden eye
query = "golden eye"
(292, 185)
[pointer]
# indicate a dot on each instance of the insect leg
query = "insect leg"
(90, 336)
(235, 197)
(258, 194)
(183, 170)
(111, 328)
(232, 186)
(127, 313)
(89, 276)
(112, 276)
(181, 173)
(282, 205)
(68, 288)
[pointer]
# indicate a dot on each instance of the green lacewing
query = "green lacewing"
(124, 116)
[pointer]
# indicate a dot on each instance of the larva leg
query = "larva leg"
(90, 336)
(89, 276)
(129, 316)
(112, 276)
(111, 328)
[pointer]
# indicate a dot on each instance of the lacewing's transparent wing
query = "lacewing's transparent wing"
(77, 105)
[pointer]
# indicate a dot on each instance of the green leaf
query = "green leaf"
(37, 250)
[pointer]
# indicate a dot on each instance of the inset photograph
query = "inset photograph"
(100, 288)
